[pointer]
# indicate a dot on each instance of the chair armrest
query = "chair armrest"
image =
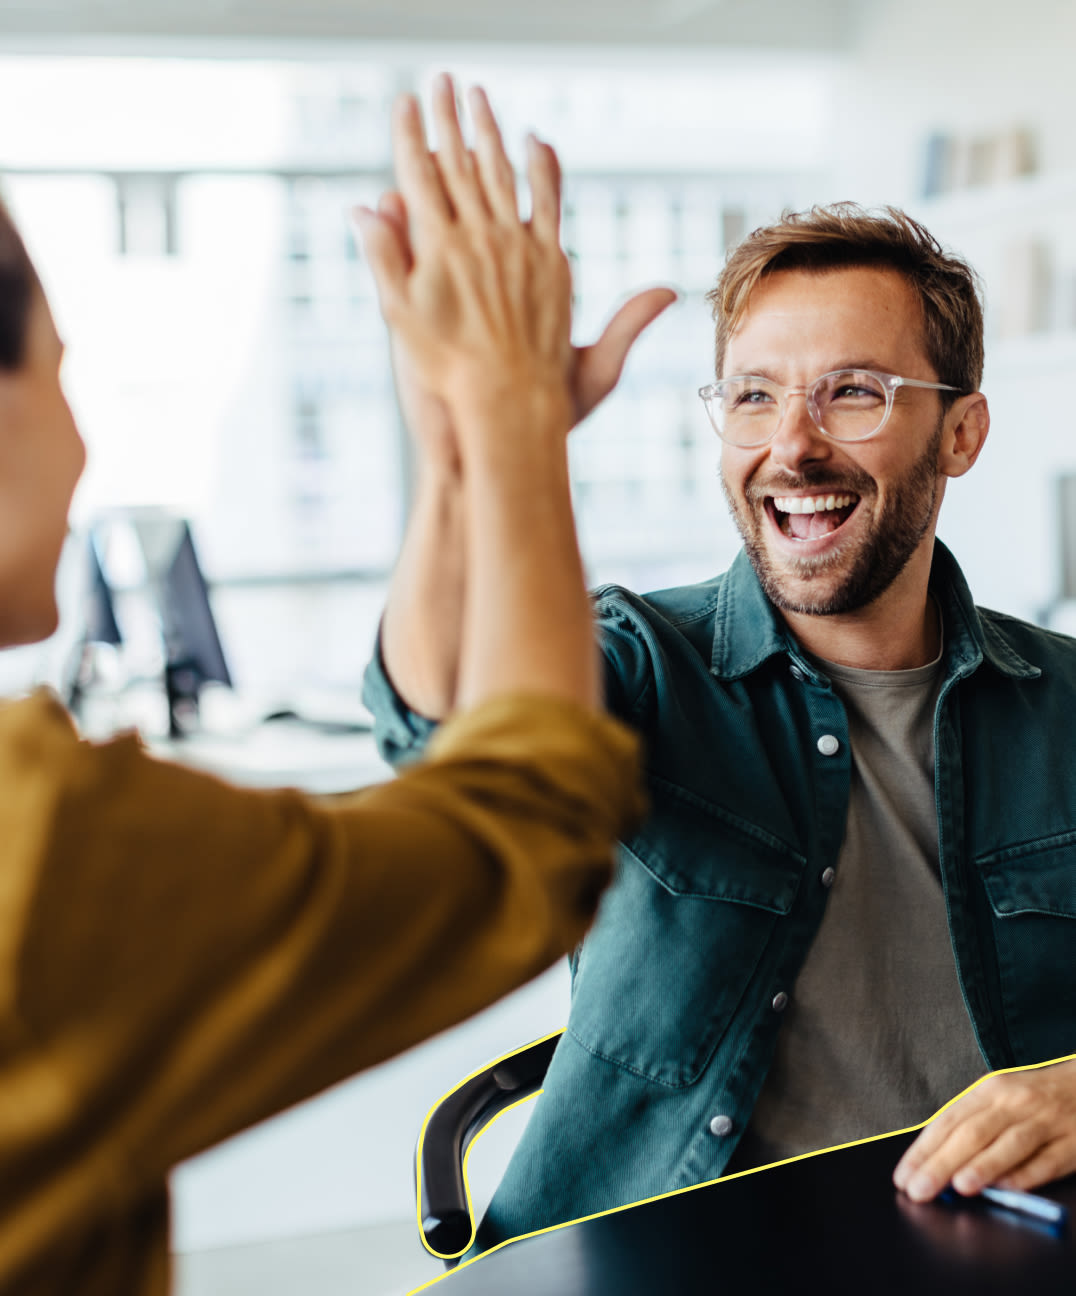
(444, 1206)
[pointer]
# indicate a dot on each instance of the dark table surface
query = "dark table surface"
(832, 1224)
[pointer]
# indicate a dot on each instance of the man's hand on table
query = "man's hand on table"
(1011, 1130)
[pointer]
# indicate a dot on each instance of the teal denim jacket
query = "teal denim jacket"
(719, 895)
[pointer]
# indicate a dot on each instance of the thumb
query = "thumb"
(598, 367)
(393, 208)
(386, 253)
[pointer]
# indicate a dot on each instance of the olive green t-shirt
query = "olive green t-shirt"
(876, 1036)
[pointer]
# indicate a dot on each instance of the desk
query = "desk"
(831, 1223)
(282, 753)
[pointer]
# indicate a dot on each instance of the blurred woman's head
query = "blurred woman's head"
(18, 282)
(41, 453)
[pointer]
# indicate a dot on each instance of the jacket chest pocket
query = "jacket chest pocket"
(1032, 895)
(677, 941)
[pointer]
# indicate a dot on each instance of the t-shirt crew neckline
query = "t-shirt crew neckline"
(912, 677)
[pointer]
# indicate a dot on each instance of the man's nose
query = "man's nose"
(797, 439)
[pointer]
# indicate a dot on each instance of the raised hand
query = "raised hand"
(425, 415)
(596, 368)
(454, 217)
(593, 371)
(482, 306)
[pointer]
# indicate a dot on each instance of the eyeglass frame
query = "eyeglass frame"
(889, 383)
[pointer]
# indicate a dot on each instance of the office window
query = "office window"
(227, 355)
(146, 215)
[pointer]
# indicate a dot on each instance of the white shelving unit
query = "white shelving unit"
(1002, 519)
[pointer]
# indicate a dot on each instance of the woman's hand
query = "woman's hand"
(482, 306)
(477, 193)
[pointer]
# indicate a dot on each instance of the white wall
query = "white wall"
(968, 68)
(965, 65)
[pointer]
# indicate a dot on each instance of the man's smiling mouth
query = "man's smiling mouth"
(810, 517)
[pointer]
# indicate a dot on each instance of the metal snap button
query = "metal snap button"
(721, 1125)
(828, 745)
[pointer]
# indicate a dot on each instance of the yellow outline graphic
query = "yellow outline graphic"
(677, 1192)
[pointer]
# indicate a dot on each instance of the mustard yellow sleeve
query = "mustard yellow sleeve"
(180, 958)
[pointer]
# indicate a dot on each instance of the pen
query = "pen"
(1020, 1203)
(1025, 1203)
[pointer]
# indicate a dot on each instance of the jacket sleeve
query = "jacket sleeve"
(182, 958)
(402, 734)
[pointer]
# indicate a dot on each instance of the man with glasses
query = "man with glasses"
(855, 893)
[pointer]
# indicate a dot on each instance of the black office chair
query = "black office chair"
(444, 1204)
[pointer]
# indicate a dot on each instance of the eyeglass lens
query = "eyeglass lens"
(848, 406)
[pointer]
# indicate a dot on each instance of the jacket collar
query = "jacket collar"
(748, 630)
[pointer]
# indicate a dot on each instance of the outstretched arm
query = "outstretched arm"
(481, 309)
(191, 957)
(423, 618)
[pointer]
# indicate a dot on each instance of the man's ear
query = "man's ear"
(963, 434)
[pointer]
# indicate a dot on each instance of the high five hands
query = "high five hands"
(455, 217)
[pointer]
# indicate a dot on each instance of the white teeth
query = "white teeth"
(811, 504)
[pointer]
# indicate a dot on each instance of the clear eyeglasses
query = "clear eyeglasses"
(847, 404)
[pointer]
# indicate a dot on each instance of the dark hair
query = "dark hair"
(844, 235)
(18, 282)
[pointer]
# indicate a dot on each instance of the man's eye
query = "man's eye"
(752, 396)
(853, 392)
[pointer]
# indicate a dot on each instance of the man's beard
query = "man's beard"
(893, 537)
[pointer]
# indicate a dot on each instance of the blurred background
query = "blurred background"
(182, 172)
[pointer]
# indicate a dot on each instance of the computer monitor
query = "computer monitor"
(192, 648)
(96, 621)
(98, 610)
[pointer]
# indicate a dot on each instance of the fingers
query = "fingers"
(392, 213)
(926, 1167)
(497, 173)
(949, 1148)
(599, 366)
(386, 253)
(392, 206)
(457, 181)
(459, 170)
(417, 173)
(977, 1154)
(1010, 1150)
(981, 1151)
(1053, 1161)
(543, 172)
(1018, 1129)
(472, 293)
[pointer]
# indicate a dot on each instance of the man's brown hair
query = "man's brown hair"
(18, 282)
(844, 235)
